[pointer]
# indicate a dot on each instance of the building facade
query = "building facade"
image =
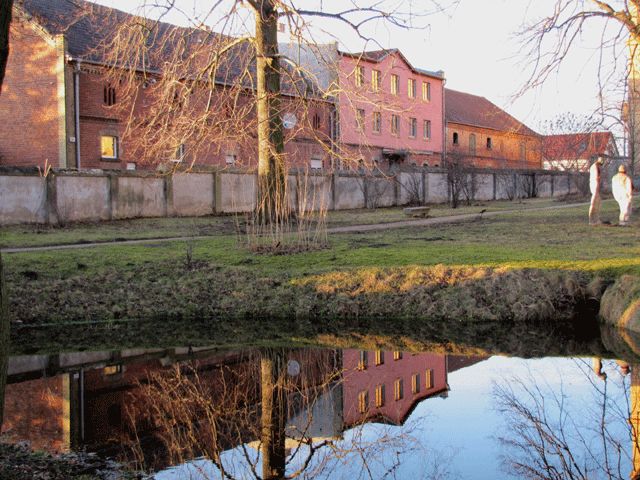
(577, 151)
(480, 134)
(389, 112)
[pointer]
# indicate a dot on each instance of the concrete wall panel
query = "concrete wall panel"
(22, 200)
(349, 192)
(83, 198)
(236, 192)
(193, 194)
(411, 190)
(483, 187)
(543, 185)
(139, 197)
(437, 188)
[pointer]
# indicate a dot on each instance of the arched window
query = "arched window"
(455, 138)
(472, 144)
(523, 152)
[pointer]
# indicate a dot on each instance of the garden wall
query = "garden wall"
(69, 196)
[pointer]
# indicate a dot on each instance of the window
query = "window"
(359, 76)
(380, 396)
(426, 91)
(112, 369)
(179, 154)
(109, 95)
(415, 383)
(395, 84)
(363, 361)
(426, 129)
(411, 88)
(379, 357)
(428, 379)
(455, 138)
(375, 80)
(413, 127)
(472, 144)
(395, 124)
(230, 158)
(109, 147)
(377, 122)
(397, 355)
(523, 152)
(398, 389)
(316, 122)
(316, 163)
(489, 143)
(360, 119)
(363, 401)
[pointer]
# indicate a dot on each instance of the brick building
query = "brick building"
(482, 135)
(576, 151)
(389, 112)
(59, 108)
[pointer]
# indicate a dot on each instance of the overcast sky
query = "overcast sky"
(476, 45)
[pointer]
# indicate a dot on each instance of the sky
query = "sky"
(476, 45)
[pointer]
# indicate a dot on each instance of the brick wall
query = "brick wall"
(504, 151)
(29, 112)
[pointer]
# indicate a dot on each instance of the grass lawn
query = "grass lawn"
(521, 266)
(133, 229)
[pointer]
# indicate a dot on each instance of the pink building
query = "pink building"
(386, 386)
(390, 113)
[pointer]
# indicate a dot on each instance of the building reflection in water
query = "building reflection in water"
(167, 407)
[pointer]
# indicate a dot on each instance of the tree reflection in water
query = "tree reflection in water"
(551, 435)
(275, 413)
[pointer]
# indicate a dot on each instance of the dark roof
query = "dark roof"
(89, 28)
(574, 146)
(377, 56)
(476, 111)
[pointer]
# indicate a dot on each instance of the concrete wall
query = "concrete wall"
(65, 196)
(83, 198)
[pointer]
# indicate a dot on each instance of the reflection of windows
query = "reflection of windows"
(375, 80)
(472, 144)
(109, 95)
(363, 361)
(415, 383)
(230, 158)
(359, 76)
(413, 127)
(397, 355)
(455, 138)
(426, 91)
(379, 357)
(395, 124)
(426, 129)
(363, 401)
(380, 396)
(316, 163)
(398, 392)
(395, 84)
(428, 379)
(489, 143)
(360, 119)
(109, 146)
(377, 122)
(317, 122)
(411, 88)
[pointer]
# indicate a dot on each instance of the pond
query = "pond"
(206, 412)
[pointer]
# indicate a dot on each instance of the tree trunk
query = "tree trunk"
(274, 414)
(271, 169)
(5, 22)
(4, 338)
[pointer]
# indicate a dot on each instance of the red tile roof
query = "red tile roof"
(476, 111)
(576, 146)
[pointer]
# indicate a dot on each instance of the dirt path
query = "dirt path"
(424, 222)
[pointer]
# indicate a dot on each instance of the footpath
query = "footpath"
(422, 222)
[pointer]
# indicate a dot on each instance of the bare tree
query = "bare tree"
(459, 179)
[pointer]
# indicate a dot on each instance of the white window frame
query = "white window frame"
(115, 146)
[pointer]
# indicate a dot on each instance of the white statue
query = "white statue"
(622, 189)
(594, 186)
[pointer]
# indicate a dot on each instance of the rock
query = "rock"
(620, 305)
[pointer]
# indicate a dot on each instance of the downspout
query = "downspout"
(76, 109)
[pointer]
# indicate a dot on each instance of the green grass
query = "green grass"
(147, 228)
